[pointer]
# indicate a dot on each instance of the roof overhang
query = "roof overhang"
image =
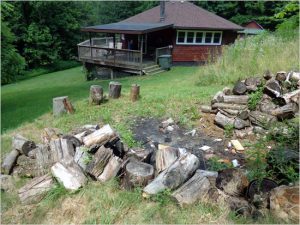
(127, 28)
(208, 28)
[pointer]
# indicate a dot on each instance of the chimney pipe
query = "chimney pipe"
(162, 11)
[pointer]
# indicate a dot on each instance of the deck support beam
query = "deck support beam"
(141, 52)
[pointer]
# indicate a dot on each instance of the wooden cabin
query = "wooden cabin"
(251, 28)
(183, 30)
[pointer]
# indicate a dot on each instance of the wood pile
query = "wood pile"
(279, 101)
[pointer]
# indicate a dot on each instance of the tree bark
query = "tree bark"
(175, 175)
(207, 109)
(138, 174)
(36, 189)
(135, 92)
(96, 94)
(114, 89)
(236, 99)
(229, 106)
(165, 156)
(239, 88)
(196, 188)
(62, 105)
(99, 137)
(261, 119)
(111, 169)
(49, 134)
(44, 159)
(223, 121)
(9, 161)
(22, 144)
(286, 112)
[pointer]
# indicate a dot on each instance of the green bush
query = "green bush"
(254, 98)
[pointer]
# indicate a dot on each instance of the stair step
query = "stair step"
(159, 71)
(150, 67)
(153, 70)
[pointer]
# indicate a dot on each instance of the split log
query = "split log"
(281, 76)
(293, 76)
(218, 97)
(140, 154)
(111, 169)
(239, 88)
(96, 94)
(197, 188)
(207, 109)
(81, 135)
(22, 144)
(273, 88)
(286, 112)
(99, 137)
(261, 119)
(44, 159)
(165, 156)
(236, 99)
(266, 106)
(223, 121)
(62, 149)
(138, 174)
(291, 97)
(232, 181)
(240, 124)
(36, 189)
(135, 92)
(62, 105)
(26, 167)
(229, 106)
(9, 161)
(82, 157)
(69, 174)
(74, 140)
(49, 134)
(100, 160)
(114, 89)
(175, 175)
(268, 75)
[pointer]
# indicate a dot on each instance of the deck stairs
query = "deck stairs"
(152, 69)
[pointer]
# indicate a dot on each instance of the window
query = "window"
(199, 37)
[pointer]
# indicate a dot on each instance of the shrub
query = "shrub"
(255, 98)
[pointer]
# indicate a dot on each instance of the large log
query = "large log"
(69, 174)
(165, 156)
(62, 105)
(22, 144)
(291, 97)
(261, 119)
(62, 149)
(236, 99)
(138, 174)
(111, 169)
(223, 121)
(286, 112)
(229, 106)
(239, 88)
(96, 94)
(175, 175)
(44, 160)
(9, 161)
(36, 189)
(196, 188)
(99, 137)
(135, 92)
(114, 89)
(273, 88)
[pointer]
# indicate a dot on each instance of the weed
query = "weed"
(54, 194)
(215, 165)
(163, 197)
(228, 130)
(254, 98)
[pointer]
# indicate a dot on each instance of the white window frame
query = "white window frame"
(203, 37)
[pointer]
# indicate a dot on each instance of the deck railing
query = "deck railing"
(162, 51)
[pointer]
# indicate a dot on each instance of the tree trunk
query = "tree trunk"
(62, 149)
(286, 112)
(291, 97)
(62, 105)
(273, 88)
(223, 121)
(69, 174)
(138, 174)
(44, 159)
(165, 156)
(236, 99)
(175, 175)
(229, 106)
(207, 109)
(99, 137)
(261, 119)
(135, 92)
(22, 144)
(49, 134)
(196, 188)
(111, 169)
(114, 89)
(36, 189)
(96, 94)
(9, 161)
(239, 88)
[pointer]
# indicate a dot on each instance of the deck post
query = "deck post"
(91, 45)
(111, 74)
(141, 54)
(114, 50)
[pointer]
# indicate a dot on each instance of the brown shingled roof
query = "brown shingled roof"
(185, 15)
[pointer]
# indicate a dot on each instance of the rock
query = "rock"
(284, 203)
(167, 123)
(239, 88)
(7, 183)
(232, 181)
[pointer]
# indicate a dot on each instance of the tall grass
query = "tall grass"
(251, 57)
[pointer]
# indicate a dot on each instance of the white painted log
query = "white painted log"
(69, 174)
(22, 144)
(36, 189)
(165, 156)
(62, 105)
(9, 161)
(99, 137)
(111, 169)
(175, 175)
(196, 188)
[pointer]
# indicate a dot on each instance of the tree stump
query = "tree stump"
(114, 89)
(22, 144)
(135, 92)
(9, 161)
(96, 94)
(138, 174)
(62, 105)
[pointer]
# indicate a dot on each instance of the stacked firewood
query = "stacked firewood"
(279, 101)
